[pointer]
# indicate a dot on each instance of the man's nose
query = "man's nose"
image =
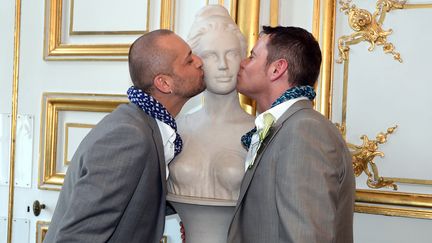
(198, 61)
(243, 62)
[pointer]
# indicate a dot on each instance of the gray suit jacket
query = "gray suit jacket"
(114, 189)
(301, 187)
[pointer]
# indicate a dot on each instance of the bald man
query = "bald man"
(115, 186)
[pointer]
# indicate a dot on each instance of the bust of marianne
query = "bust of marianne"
(210, 167)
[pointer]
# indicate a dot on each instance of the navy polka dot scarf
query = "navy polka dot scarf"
(156, 110)
(294, 92)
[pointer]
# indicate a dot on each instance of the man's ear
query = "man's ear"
(278, 68)
(163, 83)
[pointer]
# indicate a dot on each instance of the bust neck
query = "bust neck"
(220, 108)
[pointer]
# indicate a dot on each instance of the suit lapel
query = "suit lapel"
(299, 105)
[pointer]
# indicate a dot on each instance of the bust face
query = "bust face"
(220, 53)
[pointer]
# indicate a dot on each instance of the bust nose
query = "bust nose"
(222, 63)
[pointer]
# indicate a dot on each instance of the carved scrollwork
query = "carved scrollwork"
(368, 27)
(363, 159)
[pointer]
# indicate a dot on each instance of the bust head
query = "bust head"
(218, 41)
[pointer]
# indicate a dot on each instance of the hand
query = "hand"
(183, 233)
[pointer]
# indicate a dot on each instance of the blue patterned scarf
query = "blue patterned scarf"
(156, 110)
(292, 93)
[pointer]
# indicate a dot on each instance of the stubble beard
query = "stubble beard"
(181, 91)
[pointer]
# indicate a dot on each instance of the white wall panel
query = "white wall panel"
(24, 151)
(3, 229)
(370, 228)
(112, 15)
(4, 149)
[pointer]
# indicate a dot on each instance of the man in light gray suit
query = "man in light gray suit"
(115, 186)
(299, 184)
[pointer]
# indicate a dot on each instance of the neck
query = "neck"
(265, 100)
(173, 104)
(221, 107)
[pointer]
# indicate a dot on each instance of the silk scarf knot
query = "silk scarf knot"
(156, 110)
(292, 93)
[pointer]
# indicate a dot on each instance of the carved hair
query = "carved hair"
(214, 17)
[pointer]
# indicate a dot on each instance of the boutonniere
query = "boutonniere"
(268, 121)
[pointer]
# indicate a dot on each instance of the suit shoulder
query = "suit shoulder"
(313, 121)
(125, 120)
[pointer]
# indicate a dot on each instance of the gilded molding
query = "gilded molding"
(247, 18)
(363, 159)
(41, 230)
(327, 60)
(274, 12)
(167, 14)
(417, 5)
(316, 21)
(394, 204)
(233, 9)
(394, 212)
(66, 140)
(407, 204)
(410, 181)
(54, 49)
(52, 104)
(403, 199)
(368, 27)
(15, 85)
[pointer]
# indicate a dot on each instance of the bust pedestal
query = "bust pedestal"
(204, 220)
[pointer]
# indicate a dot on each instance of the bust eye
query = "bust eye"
(209, 56)
(233, 53)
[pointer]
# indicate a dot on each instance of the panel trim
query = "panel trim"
(274, 13)
(53, 46)
(73, 32)
(41, 230)
(394, 212)
(66, 139)
(402, 204)
(247, 18)
(14, 115)
(52, 104)
(326, 83)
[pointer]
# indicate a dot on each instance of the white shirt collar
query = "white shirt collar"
(168, 137)
(276, 111)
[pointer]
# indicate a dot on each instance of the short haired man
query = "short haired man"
(115, 186)
(299, 184)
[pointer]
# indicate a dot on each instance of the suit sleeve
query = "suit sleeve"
(307, 183)
(110, 170)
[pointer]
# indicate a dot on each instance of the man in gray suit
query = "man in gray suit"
(115, 186)
(299, 184)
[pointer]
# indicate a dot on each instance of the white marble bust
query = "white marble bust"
(210, 167)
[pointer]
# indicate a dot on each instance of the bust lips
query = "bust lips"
(224, 79)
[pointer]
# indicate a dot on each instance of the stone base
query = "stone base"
(204, 223)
